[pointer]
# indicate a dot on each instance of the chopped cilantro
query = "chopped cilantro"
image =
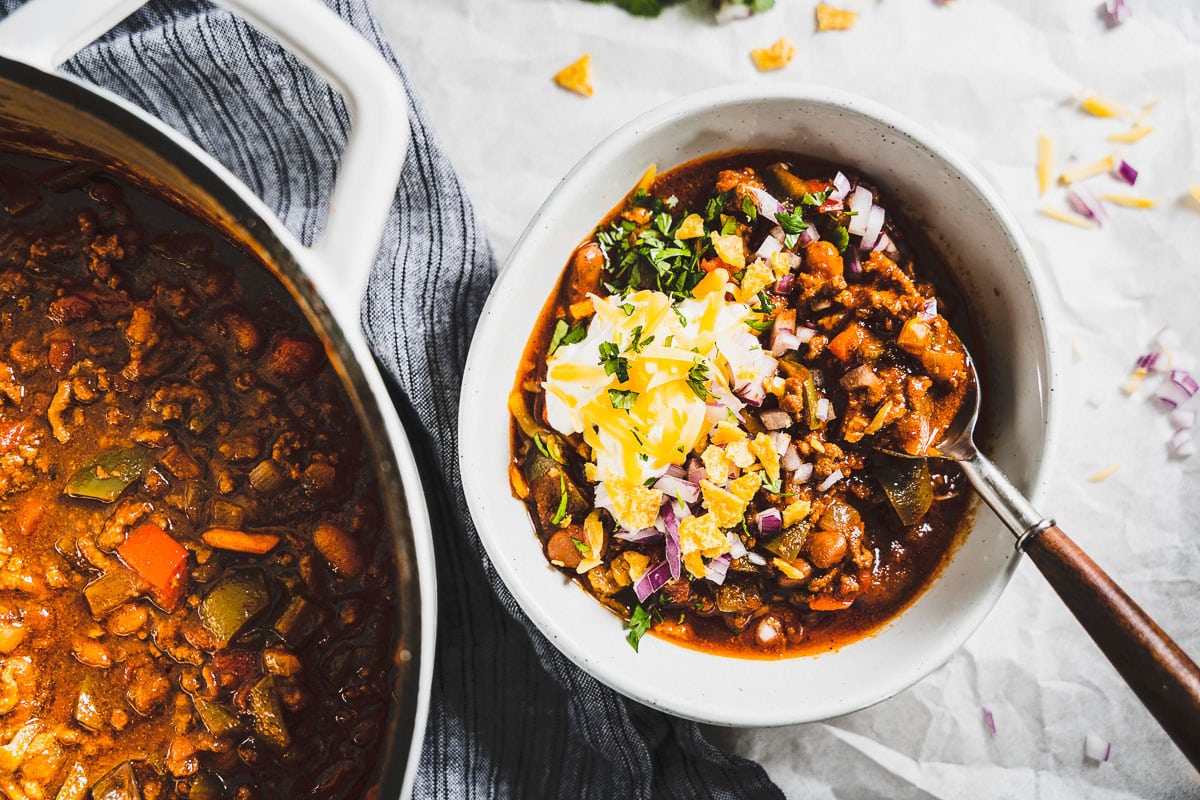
(628, 308)
(813, 199)
(541, 446)
(671, 201)
(775, 487)
(613, 362)
(791, 223)
(729, 226)
(561, 514)
(714, 206)
(766, 306)
(760, 325)
(636, 342)
(622, 399)
(638, 625)
(682, 319)
(649, 482)
(584, 549)
(662, 222)
(697, 379)
(839, 237)
(566, 334)
(749, 209)
(638, 439)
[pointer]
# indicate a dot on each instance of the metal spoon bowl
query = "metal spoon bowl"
(1160, 673)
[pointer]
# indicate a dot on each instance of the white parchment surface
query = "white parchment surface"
(987, 76)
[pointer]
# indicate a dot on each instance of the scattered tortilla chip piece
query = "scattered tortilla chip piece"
(1105, 473)
(1085, 171)
(577, 77)
(731, 249)
(725, 507)
(777, 56)
(1099, 106)
(745, 487)
(1134, 134)
(634, 506)
(1070, 219)
(716, 464)
(692, 227)
(764, 448)
(1045, 162)
(834, 19)
(727, 433)
(1129, 200)
(796, 512)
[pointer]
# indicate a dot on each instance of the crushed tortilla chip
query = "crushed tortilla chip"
(1105, 473)
(745, 487)
(764, 448)
(757, 277)
(796, 512)
(692, 227)
(716, 464)
(725, 507)
(1045, 162)
(788, 569)
(577, 77)
(1129, 200)
(731, 249)
(1070, 219)
(777, 56)
(635, 506)
(739, 453)
(1134, 134)
(700, 536)
(594, 530)
(727, 433)
(834, 19)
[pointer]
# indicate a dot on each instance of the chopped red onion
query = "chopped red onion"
(672, 547)
(884, 243)
(637, 537)
(851, 262)
(1150, 361)
(676, 471)
(1118, 12)
(1184, 381)
(989, 720)
(767, 204)
(874, 228)
(1123, 171)
(802, 473)
(1096, 749)
(752, 392)
(841, 187)
(809, 234)
(1087, 204)
(860, 202)
(929, 309)
(775, 419)
(805, 334)
(716, 569)
(714, 413)
(782, 341)
(828, 483)
(1183, 444)
(679, 488)
(770, 522)
(736, 548)
(1181, 418)
(695, 470)
(756, 559)
(791, 459)
(652, 581)
(769, 247)
(784, 285)
(825, 410)
(780, 441)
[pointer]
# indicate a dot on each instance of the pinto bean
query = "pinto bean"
(825, 548)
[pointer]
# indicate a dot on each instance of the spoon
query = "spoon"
(1163, 677)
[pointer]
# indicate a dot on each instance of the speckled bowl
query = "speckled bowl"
(991, 260)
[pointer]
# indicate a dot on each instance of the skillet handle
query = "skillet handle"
(45, 33)
(1163, 677)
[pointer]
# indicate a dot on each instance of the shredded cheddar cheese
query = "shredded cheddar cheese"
(1045, 163)
(1067, 217)
(1085, 171)
(1129, 200)
(1106, 473)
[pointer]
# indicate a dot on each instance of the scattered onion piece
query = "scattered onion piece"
(1106, 473)
(989, 720)
(1129, 200)
(1134, 134)
(828, 483)
(1070, 219)
(1118, 11)
(1086, 171)
(1085, 203)
(652, 581)
(1096, 749)
(1183, 444)
(1124, 171)
(716, 569)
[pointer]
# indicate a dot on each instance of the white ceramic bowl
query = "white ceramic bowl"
(991, 260)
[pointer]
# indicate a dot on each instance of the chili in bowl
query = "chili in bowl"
(698, 432)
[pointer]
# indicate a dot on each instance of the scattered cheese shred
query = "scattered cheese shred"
(577, 77)
(1134, 381)
(1134, 134)
(1085, 171)
(1070, 219)
(1194, 191)
(1129, 200)
(1045, 163)
(1099, 106)
(834, 19)
(777, 56)
(1105, 473)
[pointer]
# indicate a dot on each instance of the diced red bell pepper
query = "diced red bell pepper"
(160, 561)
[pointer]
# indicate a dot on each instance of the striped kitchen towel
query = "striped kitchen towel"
(510, 716)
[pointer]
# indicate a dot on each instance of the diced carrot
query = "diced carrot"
(30, 514)
(240, 541)
(711, 264)
(160, 561)
(845, 343)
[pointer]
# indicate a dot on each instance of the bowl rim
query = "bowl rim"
(700, 104)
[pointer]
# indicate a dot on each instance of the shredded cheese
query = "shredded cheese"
(1129, 200)
(1105, 473)
(1045, 163)
(1099, 106)
(1085, 171)
(1134, 134)
(1070, 219)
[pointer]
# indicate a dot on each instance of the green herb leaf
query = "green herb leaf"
(636, 343)
(560, 330)
(561, 514)
(541, 446)
(813, 199)
(679, 314)
(622, 399)
(697, 379)
(613, 362)
(792, 223)
(638, 625)
(760, 325)
(775, 487)
(628, 308)
(839, 237)
(583, 548)
(749, 209)
(729, 227)
(765, 304)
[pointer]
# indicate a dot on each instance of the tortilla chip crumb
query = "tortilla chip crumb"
(1105, 473)
(777, 56)
(834, 19)
(577, 77)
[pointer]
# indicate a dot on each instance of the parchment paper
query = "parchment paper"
(987, 76)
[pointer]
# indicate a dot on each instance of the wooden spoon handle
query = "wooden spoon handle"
(1163, 677)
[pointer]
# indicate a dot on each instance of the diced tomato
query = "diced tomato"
(160, 561)
(845, 343)
(710, 264)
(30, 514)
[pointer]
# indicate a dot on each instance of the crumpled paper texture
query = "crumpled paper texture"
(987, 76)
